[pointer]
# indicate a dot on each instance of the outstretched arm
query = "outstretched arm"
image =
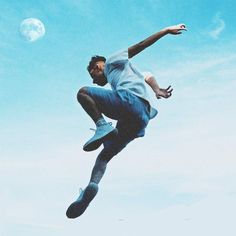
(137, 48)
(160, 92)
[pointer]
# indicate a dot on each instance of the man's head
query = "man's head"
(96, 70)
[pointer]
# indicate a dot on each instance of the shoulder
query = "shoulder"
(117, 57)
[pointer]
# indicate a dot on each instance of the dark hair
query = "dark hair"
(94, 60)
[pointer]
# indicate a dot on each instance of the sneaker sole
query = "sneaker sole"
(97, 143)
(77, 208)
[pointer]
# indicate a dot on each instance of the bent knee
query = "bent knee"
(82, 91)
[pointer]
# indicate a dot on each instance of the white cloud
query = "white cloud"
(219, 26)
(192, 67)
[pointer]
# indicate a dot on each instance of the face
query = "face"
(97, 73)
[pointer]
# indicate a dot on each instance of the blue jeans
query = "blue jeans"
(131, 112)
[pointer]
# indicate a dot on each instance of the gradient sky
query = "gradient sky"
(180, 179)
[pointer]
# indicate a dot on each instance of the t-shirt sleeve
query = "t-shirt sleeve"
(118, 58)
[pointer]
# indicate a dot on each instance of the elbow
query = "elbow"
(148, 78)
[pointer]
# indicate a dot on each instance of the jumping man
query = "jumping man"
(127, 103)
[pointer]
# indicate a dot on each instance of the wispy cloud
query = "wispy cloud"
(201, 65)
(219, 26)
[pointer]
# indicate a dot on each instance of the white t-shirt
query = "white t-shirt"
(122, 75)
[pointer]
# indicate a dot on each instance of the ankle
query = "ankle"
(100, 121)
(93, 183)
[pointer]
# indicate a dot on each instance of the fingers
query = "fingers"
(165, 93)
(177, 29)
(169, 89)
(175, 33)
(182, 27)
(169, 95)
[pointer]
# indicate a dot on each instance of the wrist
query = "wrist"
(157, 91)
(166, 30)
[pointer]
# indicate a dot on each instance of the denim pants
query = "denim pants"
(131, 112)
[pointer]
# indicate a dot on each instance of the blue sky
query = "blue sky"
(179, 179)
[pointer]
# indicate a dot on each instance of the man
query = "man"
(127, 103)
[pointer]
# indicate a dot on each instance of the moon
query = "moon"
(32, 29)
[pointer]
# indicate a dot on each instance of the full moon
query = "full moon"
(32, 29)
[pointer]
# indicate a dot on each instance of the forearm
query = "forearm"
(137, 48)
(159, 92)
(151, 81)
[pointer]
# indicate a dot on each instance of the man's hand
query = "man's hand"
(165, 93)
(176, 29)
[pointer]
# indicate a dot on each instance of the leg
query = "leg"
(98, 101)
(111, 148)
(90, 99)
(88, 104)
(131, 126)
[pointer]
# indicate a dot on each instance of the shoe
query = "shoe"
(78, 207)
(102, 132)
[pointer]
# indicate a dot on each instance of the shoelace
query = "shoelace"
(80, 193)
(110, 123)
(80, 190)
